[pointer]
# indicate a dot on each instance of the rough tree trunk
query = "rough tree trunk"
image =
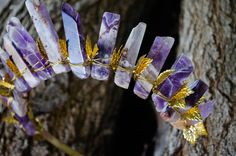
(208, 36)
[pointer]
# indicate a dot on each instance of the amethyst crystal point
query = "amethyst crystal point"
(206, 108)
(158, 52)
(169, 115)
(31, 79)
(20, 83)
(183, 68)
(19, 105)
(129, 56)
(47, 34)
(27, 48)
(199, 88)
(106, 43)
(28, 126)
(75, 40)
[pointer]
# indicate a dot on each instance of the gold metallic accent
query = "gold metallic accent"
(162, 77)
(13, 68)
(142, 64)
(63, 48)
(91, 52)
(192, 133)
(192, 114)
(115, 58)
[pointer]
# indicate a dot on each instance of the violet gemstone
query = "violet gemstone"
(160, 103)
(199, 88)
(47, 34)
(29, 77)
(206, 109)
(27, 48)
(169, 115)
(20, 83)
(75, 40)
(158, 52)
(19, 105)
(183, 68)
(129, 56)
(28, 126)
(106, 42)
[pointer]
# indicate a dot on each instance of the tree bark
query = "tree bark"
(208, 35)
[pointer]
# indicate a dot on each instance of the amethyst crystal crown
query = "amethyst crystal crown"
(27, 63)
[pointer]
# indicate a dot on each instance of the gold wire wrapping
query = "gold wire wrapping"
(142, 64)
(162, 77)
(115, 58)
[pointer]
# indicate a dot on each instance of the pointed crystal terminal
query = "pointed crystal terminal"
(199, 88)
(183, 68)
(31, 79)
(19, 82)
(159, 51)
(47, 34)
(129, 56)
(27, 48)
(106, 42)
(75, 40)
(19, 105)
(28, 125)
(206, 108)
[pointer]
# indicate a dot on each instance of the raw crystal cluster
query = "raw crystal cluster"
(28, 62)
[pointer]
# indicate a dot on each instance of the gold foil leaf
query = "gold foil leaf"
(194, 131)
(41, 48)
(190, 134)
(192, 114)
(115, 58)
(182, 93)
(142, 64)
(6, 88)
(63, 48)
(163, 76)
(91, 52)
(13, 68)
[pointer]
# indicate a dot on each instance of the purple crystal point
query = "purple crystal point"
(206, 108)
(19, 105)
(199, 88)
(169, 115)
(27, 48)
(158, 52)
(47, 34)
(28, 126)
(183, 68)
(160, 103)
(129, 56)
(106, 43)
(31, 79)
(75, 40)
(20, 83)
